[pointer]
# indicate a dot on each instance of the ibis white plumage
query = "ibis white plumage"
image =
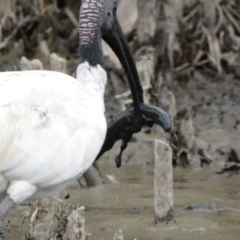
(50, 133)
(52, 125)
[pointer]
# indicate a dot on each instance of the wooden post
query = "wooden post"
(163, 182)
(92, 176)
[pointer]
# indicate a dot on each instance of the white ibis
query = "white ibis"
(52, 125)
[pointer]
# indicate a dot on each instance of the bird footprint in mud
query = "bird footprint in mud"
(123, 126)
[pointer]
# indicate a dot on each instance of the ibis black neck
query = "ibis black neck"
(92, 52)
(90, 17)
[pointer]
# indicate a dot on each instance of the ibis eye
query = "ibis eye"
(109, 14)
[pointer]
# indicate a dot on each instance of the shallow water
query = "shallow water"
(128, 204)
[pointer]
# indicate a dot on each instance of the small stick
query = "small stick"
(118, 235)
(26, 64)
(172, 105)
(57, 63)
(163, 182)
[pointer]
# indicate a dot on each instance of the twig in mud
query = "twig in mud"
(182, 138)
(205, 157)
(232, 165)
(76, 226)
(203, 28)
(231, 19)
(6, 41)
(71, 17)
(118, 235)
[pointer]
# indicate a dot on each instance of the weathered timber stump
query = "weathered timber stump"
(163, 182)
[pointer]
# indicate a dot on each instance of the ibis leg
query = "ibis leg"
(6, 204)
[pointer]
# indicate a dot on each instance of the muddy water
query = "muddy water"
(127, 202)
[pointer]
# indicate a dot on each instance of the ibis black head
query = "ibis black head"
(98, 19)
(109, 15)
